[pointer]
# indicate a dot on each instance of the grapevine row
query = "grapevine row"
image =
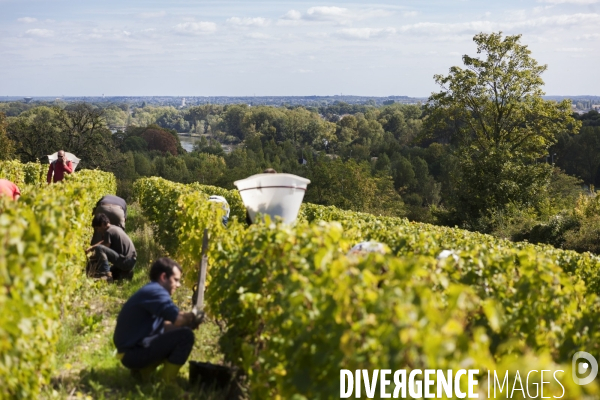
(41, 264)
(297, 309)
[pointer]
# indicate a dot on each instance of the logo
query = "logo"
(581, 368)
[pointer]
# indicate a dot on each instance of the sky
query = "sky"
(280, 48)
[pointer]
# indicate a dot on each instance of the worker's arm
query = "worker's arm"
(68, 167)
(183, 319)
(92, 247)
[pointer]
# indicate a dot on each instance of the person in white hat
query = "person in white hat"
(224, 204)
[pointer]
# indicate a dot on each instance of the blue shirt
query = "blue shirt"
(144, 315)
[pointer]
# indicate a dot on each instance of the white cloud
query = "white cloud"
(571, 49)
(258, 21)
(292, 15)
(326, 13)
(589, 36)
(364, 33)
(434, 28)
(27, 20)
(303, 71)
(410, 14)
(541, 24)
(195, 28)
(40, 32)
(157, 14)
(561, 20)
(258, 35)
(332, 14)
(569, 1)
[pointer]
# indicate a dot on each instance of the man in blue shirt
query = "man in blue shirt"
(150, 328)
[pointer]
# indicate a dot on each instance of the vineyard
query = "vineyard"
(298, 310)
(41, 262)
(296, 307)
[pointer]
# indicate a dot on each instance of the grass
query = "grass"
(85, 359)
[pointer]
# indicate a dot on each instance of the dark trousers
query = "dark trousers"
(106, 254)
(174, 346)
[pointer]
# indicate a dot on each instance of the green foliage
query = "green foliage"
(496, 115)
(297, 309)
(6, 145)
(41, 263)
(352, 186)
(158, 199)
(79, 129)
(22, 174)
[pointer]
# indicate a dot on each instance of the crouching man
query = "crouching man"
(115, 247)
(150, 328)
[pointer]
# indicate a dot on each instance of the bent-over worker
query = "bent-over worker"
(9, 189)
(115, 208)
(115, 247)
(150, 328)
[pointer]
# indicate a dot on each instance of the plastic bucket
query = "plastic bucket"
(276, 195)
(210, 375)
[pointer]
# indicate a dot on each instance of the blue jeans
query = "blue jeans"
(174, 346)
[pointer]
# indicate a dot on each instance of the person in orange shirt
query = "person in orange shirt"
(7, 188)
(59, 167)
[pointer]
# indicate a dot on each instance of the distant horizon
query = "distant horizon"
(251, 96)
(279, 47)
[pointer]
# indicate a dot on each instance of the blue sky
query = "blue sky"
(208, 48)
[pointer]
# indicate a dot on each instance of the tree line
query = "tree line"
(486, 152)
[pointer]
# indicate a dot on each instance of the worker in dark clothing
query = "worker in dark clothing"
(150, 328)
(115, 208)
(115, 247)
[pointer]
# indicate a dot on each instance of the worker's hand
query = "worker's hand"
(198, 318)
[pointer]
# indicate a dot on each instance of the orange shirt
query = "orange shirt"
(7, 188)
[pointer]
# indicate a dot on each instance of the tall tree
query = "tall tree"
(495, 112)
(6, 145)
(83, 131)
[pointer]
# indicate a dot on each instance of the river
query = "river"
(188, 142)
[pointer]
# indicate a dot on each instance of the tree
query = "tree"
(172, 119)
(35, 133)
(500, 124)
(233, 120)
(160, 140)
(83, 132)
(352, 186)
(6, 145)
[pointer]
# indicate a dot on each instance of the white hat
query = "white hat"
(220, 199)
(364, 248)
(447, 253)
